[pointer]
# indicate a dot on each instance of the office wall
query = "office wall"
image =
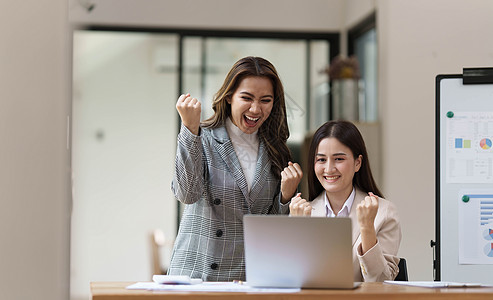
(418, 40)
(288, 15)
(34, 160)
(356, 10)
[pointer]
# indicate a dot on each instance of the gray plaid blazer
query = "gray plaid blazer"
(209, 179)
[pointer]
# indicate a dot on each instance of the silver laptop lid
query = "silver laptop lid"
(307, 252)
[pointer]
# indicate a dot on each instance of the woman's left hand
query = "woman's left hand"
(366, 212)
(290, 179)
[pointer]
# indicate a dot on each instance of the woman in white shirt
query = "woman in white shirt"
(341, 185)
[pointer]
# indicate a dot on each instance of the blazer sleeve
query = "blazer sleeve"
(189, 175)
(381, 262)
(278, 207)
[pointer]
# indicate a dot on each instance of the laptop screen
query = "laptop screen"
(307, 252)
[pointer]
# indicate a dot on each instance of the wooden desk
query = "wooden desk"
(368, 290)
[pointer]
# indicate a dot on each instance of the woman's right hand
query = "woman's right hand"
(189, 109)
(299, 206)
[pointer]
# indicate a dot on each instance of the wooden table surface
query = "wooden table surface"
(367, 290)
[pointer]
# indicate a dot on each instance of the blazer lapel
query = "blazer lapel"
(227, 152)
(318, 205)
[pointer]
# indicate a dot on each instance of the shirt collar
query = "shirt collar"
(346, 208)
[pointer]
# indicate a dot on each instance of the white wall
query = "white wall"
(283, 15)
(418, 40)
(34, 160)
(357, 10)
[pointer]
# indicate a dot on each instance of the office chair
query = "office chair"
(158, 240)
(402, 275)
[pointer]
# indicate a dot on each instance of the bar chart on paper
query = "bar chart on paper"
(476, 227)
(486, 208)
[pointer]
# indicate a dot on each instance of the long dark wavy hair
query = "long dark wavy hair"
(274, 132)
(346, 133)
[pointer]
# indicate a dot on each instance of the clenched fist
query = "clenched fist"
(367, 211)
(290, 179)
(189, 109)
(299, 206)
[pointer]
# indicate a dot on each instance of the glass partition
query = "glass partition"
(366, 51)
(123, 145)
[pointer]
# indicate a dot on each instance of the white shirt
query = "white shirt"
(246, 148)
(346, 208)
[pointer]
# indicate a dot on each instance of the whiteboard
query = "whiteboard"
(464, 181)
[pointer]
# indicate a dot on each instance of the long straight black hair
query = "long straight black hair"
(348, 134)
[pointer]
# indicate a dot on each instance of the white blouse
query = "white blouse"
(246, 148)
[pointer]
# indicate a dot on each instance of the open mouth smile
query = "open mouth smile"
(251, 121)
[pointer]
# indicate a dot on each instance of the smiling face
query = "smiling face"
(335, 167)
(251, 103)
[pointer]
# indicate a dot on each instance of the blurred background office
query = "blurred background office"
(88, 124)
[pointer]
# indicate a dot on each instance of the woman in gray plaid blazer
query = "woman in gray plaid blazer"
(234, 163)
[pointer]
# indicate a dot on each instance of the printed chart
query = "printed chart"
(488, 234)
(476, 227)
(469, 147)
(485, 144)
(488, 250)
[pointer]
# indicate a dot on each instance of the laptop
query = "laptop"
(298, 252)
